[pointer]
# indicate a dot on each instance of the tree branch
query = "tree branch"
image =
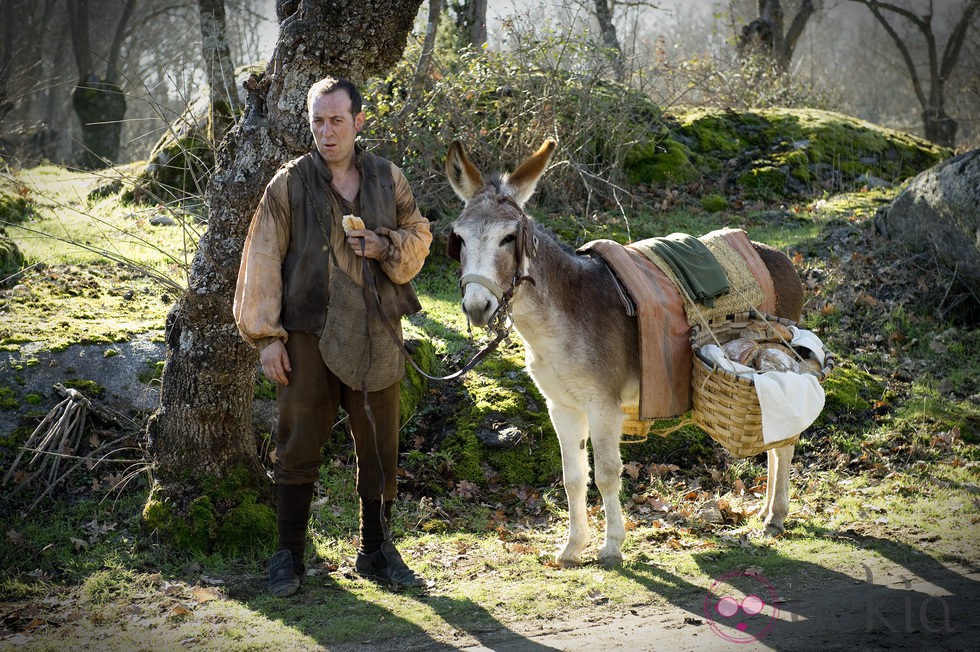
(955, 43)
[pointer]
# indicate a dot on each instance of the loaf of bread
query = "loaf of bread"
(773, 330)
(352, 223)
(775, 360)
(741, 350)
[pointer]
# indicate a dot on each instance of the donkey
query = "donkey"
(580, 345)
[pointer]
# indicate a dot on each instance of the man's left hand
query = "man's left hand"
(374, 246)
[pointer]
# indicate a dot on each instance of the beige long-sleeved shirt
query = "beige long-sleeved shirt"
(259, 292)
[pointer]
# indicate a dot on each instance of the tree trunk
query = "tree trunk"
(225, 104)
(99, 103)
(610, 40)
(764, 36)
(100, 107)
(471, 19)
(203, 428)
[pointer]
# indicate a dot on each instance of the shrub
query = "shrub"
(502, 106)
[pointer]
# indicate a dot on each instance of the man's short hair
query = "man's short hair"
(329, 85)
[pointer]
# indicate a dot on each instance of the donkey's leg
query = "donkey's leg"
(777, 488)
(571, 428)
(605, 428)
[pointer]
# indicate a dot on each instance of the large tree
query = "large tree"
(939, 126)
(203, 427)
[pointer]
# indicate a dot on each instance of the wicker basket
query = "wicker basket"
(725, 405)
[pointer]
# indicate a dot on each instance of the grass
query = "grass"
(886, 479)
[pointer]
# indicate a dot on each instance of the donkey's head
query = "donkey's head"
(492, 238)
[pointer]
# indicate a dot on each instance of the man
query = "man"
(304, 300)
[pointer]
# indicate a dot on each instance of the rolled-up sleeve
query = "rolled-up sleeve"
(258, 294)
(410, 241)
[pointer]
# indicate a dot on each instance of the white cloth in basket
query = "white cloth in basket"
(789, 402)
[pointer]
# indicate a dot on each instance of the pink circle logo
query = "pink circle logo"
(741, 607)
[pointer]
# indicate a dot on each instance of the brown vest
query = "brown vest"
(319, 297)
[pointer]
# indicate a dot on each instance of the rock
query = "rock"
(162, 220)
(937, 213)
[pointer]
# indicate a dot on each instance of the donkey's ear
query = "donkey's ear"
(524, 179)
(465, 179)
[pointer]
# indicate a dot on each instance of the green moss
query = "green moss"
(414, 384)
(157, 514)
(666, 161)
(850, 389)
(712, 133)
(227, 517)
(264, 388)
(714, 203)
(11, 259)
(33, 399)
(90, 388)
(248, 527)
(15, 208)
(8, 399)
(809, 146)
(153, 373)
(195, 531)
(765, 182)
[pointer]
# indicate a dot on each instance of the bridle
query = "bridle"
(500, 323)
(525, 247)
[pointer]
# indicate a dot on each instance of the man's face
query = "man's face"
(334, 127)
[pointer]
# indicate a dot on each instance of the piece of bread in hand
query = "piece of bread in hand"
(352, 223)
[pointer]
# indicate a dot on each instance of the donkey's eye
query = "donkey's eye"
(508, 239)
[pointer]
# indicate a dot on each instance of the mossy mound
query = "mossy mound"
(771, 153)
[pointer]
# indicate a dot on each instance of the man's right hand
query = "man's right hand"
(275, 362)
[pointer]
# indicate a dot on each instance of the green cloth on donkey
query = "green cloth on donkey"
(697, 270)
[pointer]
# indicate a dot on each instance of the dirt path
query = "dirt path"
(885, 608)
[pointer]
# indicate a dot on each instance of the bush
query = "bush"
(502, 106)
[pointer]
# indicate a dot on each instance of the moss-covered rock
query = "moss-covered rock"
(666, 161)
(767, 153)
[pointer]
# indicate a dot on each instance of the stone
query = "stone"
(937, 213)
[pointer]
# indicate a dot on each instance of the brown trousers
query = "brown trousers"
(307, 410)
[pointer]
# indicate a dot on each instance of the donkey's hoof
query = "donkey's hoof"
(568, 562)
(773, 529)
(610, 559)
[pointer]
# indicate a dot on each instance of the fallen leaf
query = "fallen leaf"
(80, 544)
(632, 469)
(15, 537)
(203, 595)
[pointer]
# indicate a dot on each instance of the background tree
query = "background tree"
(219, 68)
(203, 428)
(764, 36)
(607, 30)
(940, 127)
(99, 101)
(471, 21)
